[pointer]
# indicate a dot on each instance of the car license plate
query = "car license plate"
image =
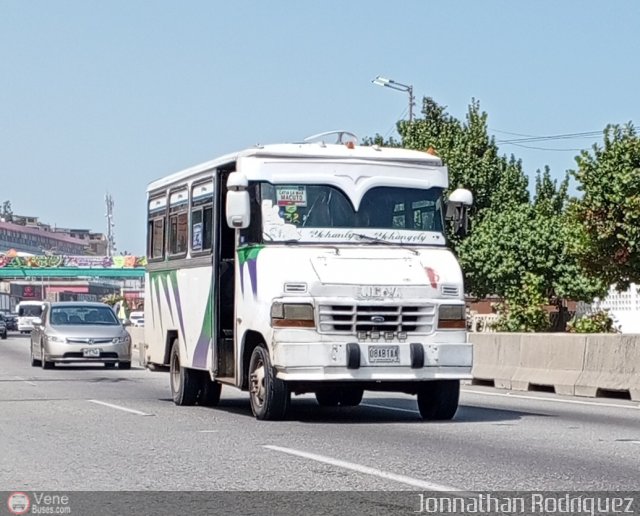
(91, 352)
(384, 354)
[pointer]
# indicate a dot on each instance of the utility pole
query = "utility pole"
(111, 242)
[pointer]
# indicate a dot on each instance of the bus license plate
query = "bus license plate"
(91, 352)
(384, 354)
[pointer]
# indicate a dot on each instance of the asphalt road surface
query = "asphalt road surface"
(91, 428)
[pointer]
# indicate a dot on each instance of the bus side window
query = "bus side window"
(178, 223)
(155, 228)
(202, 218)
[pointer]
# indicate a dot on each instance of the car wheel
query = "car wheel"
(438, 399)
(124, 365)
(45, 363)
(34, 361)
(269, 395)
(4, 335)
(185, 382)
(210, 393)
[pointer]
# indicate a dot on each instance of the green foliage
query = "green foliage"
(608, 215)
(113, 299)
(378, 139)
(527, 238)
(523, 309)
(597, 322)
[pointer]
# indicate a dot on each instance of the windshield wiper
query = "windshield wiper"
(386, 242)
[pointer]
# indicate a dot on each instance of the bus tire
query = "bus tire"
(185, 382)
(269, 395)
(438, 399)
(210, 392)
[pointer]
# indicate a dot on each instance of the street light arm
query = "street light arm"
(398, 86)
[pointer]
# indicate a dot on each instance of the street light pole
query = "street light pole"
(388, 83)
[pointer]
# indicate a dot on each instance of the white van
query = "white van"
(136, 319)
(27, 312)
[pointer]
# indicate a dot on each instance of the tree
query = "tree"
(533, 238)
(607, 217)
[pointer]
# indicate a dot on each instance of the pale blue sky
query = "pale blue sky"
(108, 95)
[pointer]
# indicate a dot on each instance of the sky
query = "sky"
(106, 96)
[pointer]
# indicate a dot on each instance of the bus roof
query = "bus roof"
(306, 151)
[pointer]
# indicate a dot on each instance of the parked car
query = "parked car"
(136, 319)
(79, 332)
(12, 322)
(3, 327)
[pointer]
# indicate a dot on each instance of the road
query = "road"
(90, 428)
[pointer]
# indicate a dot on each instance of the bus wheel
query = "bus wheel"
(438, 399)
(184, 382)
(269, 396)
(210, 393)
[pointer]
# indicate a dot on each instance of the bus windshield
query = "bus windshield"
(30, 311)
(325, 213)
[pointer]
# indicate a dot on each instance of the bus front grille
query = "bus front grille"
(353, 318)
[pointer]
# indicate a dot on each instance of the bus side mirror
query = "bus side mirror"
(238, 210)
(458, 204)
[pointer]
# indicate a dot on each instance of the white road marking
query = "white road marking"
(390, 408)
(118, 407)
(402, 479)
(555, 400)
(208, 431)
(24, 380)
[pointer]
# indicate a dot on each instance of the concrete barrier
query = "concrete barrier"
(611, 365)
(571, 364)
(549, 361)
(496, 357)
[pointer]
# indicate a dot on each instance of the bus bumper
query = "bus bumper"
(353, 361)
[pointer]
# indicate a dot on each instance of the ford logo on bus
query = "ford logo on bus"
(377, 319)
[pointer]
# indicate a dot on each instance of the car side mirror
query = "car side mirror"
(238, 209)
(37, 321)
(458, 204)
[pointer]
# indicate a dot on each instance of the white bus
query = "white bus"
(28, 311)
(307, 268)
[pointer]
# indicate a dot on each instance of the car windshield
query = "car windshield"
(316, 211)
(82, 315)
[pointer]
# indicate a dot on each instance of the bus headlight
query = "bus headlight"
(292, 315)
(452, 317)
